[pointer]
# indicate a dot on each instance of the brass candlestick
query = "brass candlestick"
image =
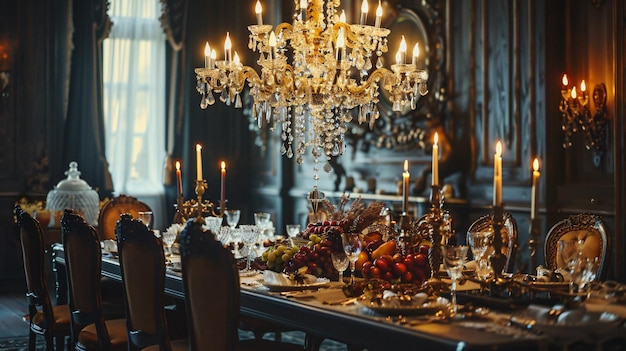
(436, 235)
(498, 260)
(198, 208)
(533, 243)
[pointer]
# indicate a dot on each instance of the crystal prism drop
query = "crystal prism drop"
(327, 167)
(204, 103)
(210, 98)
(238, 101)
(289, 152)
(283, 149)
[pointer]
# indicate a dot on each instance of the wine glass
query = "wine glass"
(352, 246)
(262, 220)
(235, 236)
(232, 217)
(569, 258)
(249, 236)
(145, 217)
(479, 242)
(340, 262)
(453, 259)
(168, 237)
(292, 231)
(213, 224)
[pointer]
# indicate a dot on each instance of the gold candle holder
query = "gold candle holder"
(534, 243)
(498, 260)
(198, 207)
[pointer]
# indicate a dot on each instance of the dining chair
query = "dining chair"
(212, 293)
(142, 267)
(508, 234)
(90, 330)
(51, 322)
(589, 228)
(111, 211)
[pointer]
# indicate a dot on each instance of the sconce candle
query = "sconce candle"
(535, 188)
(379, 15)
(179, 181)
(416, 53)
(402, 51)
(207, 55)
(223, 184)
(228, 45)
(259, 13)
(364, 10)
(435, 166)
(199, 162)
(405, 186)
(497, 175)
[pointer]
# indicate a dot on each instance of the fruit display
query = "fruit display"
(316, 255)
(384, 262)
(275, 257)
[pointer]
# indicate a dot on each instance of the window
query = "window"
(134, 100)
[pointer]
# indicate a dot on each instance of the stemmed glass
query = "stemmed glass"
(453, 259)
(262, 220)
(168, 237)
(232, 217)
(235, 235)
(249, 236)
(340, 262)
(479, 242)
(352, 246)
(145, 217)
(213, 224)
(569, 256)
(292, 231)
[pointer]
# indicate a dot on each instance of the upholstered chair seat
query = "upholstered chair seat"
(61, 319)
(88, 337)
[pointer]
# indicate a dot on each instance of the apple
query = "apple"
(375, 272)
(421, 260)
(408, 262)
(387, 275)
(399, 268)
(382, 264)
(398, 257)
(407, 276)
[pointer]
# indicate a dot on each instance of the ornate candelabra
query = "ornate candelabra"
(199, 207)
(534, 242)
(574, 107)
(498, 259)
(314, 73)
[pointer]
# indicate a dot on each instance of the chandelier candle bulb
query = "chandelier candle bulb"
(497, 175)
(379, 15)
(227, 48)
(207, 55)
(416, 53)
(272, 53)
(364, 11)
(223, 184)
(405, 187)
(213, 58)
(198, 162)
(402, 51)
(340, 45)
(259, 13)
(435, 165)
(534, 190)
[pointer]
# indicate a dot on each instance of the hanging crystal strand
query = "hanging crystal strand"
(224, 95)
(238, 103)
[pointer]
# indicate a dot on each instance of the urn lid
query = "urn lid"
(74, 193)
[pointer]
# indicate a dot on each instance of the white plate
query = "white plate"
(396, 308)
(320, 283)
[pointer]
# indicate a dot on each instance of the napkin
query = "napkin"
(273, 278)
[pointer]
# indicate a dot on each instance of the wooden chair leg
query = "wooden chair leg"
(32, 340)
(49, 343)
(60, 343)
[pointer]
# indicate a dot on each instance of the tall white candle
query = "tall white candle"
(199, 161)
(435, 165)
(416, 53)
(223, 184)
(227, 48)
(535, 190)
(379, 15)
(405, 187)
(179, 181)
(364, 10)
(207, 55)
(259, 12)
(497, 175)
(402, 50)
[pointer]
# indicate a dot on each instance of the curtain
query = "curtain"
(134, 95)
(84, 132)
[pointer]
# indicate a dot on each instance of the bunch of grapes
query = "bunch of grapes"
(276, 257)
(316, 256)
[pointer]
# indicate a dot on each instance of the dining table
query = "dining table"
(324, 312)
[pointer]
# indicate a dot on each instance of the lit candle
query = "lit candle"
(364, 10)
(259, 12)
(340, 45)
(416, 53)
(179, 180)
(227, 48)
(379, 14)
(213, 57)
(573, 93)
(497, 175)
(535, 189)
(199, 161)
(402, 50)
(436, 160)
(342, 17)
(223, 185)
(405, 186)
(236, 59)
(303, 5)
(564, 82)
(272, 52)
(207, 55)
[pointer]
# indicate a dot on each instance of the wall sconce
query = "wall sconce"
(576, 114)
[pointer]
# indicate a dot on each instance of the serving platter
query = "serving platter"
(319, 283)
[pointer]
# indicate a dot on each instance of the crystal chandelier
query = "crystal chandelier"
(315, 74)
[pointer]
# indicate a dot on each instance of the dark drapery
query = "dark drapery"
(84, 126)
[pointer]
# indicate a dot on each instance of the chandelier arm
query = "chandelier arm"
(375, 77)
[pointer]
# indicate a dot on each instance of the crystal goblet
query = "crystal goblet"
(145, 217)
(341, 261)
(453, 259)
(352, 246)
(232, 217)
(249, 236)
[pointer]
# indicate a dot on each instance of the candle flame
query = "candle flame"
(416, 50)
(258, 8)
(564, 80)
(403, 45)
(223, 166)
(198, 147)
(536, 165)
(436, 138)
(573, 92)
(583, 86)
(207, 49)
(364, 6)
(342, 17)
(303, 4)
(406, 165)
(272, 40)
(379, 10)
(340, 39)
(499, 149)
(178, 165)
(227, 44)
